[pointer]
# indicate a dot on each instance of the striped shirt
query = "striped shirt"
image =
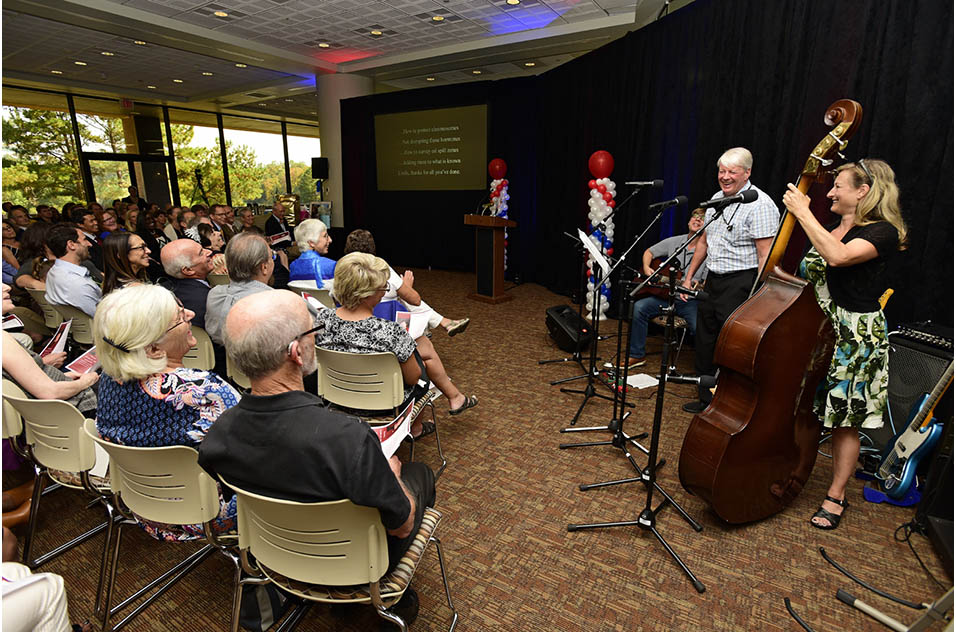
(730, 238)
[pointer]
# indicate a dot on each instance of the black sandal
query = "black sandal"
(470, 401)
(832, 518)
(428, 427)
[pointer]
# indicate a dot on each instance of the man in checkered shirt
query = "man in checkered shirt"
(735, 247)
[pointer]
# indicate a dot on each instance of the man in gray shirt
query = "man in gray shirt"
(249, 260)
(650, 306)
(68, 282)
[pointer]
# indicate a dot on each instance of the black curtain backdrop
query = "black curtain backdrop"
(666, 101)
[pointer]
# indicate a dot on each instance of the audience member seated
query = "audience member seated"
(212, 239)
(247, 219)
(46, 214)
(192, 227)
(222, 222)
(33, 601)
(172, 229)
(250, 262)
(650, 306)
(154, 238)
(360, 283)
(109, 224)
(313, 240)
(20, 218)
(325, 455)
(276, 224)
(146, 397)
(86, 220)
(401, 288)
(132, 216)
(32, 246)
(188, 264)
(126, 258)
(11, 244)
(68, 282)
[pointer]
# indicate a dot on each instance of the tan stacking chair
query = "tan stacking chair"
(161, 485)
(81, 329)
(330, 552)
(12, 422)
(217, 279)
(371, 382)
(321, 294)
(51, 317)
(238, 378)
(60, 452)
(202, 356)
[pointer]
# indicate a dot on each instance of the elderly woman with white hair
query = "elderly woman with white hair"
(312, 237)
(360, 283)
(147, 398)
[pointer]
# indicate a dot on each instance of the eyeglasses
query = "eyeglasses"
(302, 335)
(140, 247)
(182, 317)
(729, 172)
(863, 166)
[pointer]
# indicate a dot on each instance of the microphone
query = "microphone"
(680, 199)
(744, 197)
(706, 381)
(654, 184)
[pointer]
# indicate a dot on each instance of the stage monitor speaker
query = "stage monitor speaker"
(919, 355)
(567, 328)
(320, 168)
(934, 514)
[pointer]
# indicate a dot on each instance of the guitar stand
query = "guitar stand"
(647, 520)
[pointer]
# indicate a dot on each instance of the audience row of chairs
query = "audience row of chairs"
(332, 552)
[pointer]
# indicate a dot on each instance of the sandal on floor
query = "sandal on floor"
(458, 326)
(470, 401)
(832, 518)
(428, 427)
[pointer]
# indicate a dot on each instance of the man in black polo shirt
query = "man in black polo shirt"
(282, 442)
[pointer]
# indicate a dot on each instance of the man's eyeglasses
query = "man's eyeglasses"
(302, 335)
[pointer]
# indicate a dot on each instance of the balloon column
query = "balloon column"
(499, 194)
(600, 205)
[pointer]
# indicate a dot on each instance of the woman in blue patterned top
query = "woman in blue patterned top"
(147, 397)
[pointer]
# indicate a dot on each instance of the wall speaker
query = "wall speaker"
(570, 331)
(320, 168)
(919, 355)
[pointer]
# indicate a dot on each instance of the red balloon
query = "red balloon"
(601, 164)
(589, 272)
(497, 168)
(610, 251)
(494, 195)
(608, 197)
(505, 181)
(500, 186)
(612, 204)
(601, 188)
(592, 184)
(506, 243)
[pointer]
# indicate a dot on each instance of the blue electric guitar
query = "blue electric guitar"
(912, 443)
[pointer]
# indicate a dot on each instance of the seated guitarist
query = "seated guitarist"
(648, 307)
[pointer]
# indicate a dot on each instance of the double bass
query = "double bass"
(750, 453)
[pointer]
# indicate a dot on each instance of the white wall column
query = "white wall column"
(332, 88)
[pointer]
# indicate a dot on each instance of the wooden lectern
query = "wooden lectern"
(489, 257)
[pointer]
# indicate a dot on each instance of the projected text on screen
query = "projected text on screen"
(441, 149)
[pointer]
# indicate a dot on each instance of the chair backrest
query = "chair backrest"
(371, 381)
(51, 317)
(54, 432)
(321, 294)
(81, 329)
(12, 423)
(335, 543)
(202, 356)
(217, 279)
(160, 484)
(237, 376)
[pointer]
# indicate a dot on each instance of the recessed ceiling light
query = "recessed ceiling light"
(324, 44)
(220, 14)
(529, 64)
(429, 78)
(57, 72)
(80, 63)
(207, 74)
(261, 105)
(438, 18)
(313, 112)
(241, 66)
(107, 53)
(151, 87)
(139, 42)
(289, 100)
(476, 72)
(375, 33)
(177, 80)
(513, 2)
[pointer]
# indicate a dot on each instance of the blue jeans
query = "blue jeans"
(649, 307)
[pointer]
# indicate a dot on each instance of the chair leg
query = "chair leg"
(441, 454)
(40, 477)
(444, 579)
(391, 616)
(112, 517)
(110, 581)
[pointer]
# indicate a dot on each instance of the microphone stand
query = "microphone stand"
(647, 520)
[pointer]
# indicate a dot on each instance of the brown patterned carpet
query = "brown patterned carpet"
(509, 493)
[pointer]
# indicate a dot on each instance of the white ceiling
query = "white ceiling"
(279, 43)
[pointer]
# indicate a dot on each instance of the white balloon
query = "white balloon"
(610, 233)
(504, 207)
(595, 194)
(592, 202)
(611, 186)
